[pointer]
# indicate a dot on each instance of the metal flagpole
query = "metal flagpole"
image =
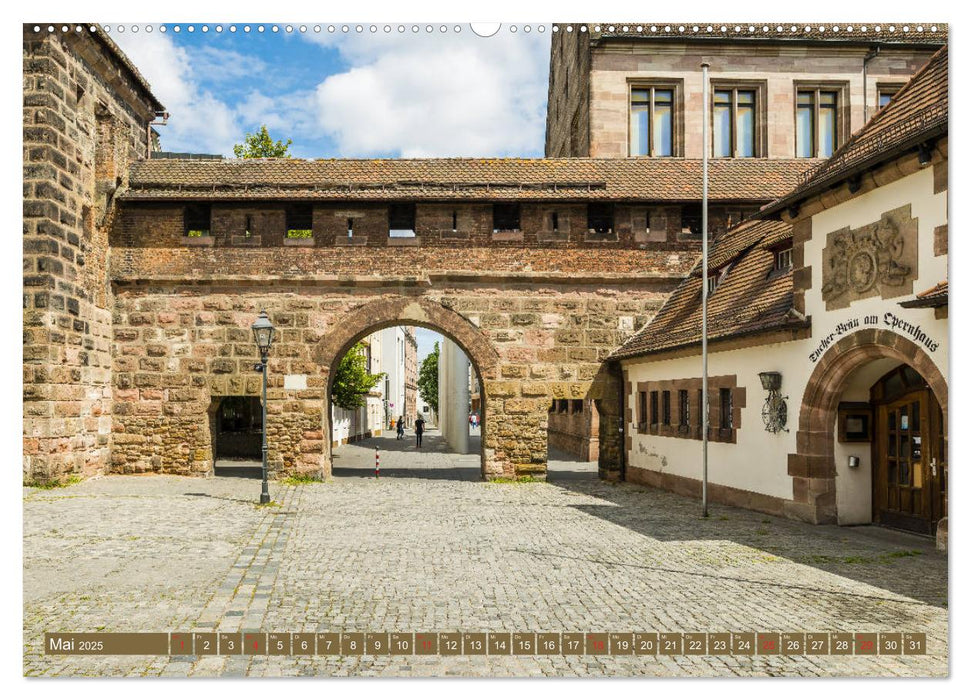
(704, 291)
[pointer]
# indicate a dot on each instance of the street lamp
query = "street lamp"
(263, 332)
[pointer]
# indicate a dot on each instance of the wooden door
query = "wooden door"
(909, 462)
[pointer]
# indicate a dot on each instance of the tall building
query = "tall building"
(786, 94)
(410, 376)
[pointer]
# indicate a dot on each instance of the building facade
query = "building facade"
(828, 340)
(789, 91)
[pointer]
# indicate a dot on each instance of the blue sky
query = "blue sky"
(373, 94)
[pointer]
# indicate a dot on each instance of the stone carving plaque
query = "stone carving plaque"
(878, 259)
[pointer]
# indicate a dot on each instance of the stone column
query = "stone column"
(453, 388)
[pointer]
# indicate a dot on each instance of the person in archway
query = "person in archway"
(401, 428)
(419, 429)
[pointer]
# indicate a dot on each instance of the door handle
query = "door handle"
(934, 466)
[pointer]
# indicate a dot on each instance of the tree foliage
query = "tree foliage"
(352, 381)
(260, 145)
(428, 379)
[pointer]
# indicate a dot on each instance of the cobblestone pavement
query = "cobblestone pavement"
(413, 552)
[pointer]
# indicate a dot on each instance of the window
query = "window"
(701, 409)
(562, 406)
(885, 93)
(783, 259)
(712, 283)
(816, 123)
(401, 220)
(300, 221)
(555, 221)
(734, 119)
(196, 219)
(600, 218)
(577, 406)
(653, 408)
(691, 219)
(350, 228)
(505, 217)
(683, 415)
(455, 221)
(725, 409)
(641, 407)
(666, 407)
(652, 121)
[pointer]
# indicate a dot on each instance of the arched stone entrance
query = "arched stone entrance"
(504, 450)
(813, 466)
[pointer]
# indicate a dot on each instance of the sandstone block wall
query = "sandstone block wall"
(83, 123)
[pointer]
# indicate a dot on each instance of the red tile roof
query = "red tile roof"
(619, 179)
(750, 298)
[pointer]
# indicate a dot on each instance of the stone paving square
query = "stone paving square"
(425, 549)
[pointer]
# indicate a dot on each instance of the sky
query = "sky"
(375, 94)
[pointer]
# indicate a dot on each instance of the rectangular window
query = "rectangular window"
(641, 407)
(816, 123)
(691, 219)
(562, 407)
(666, 407)
(401, 220)
(734, 120)
(505, 217)
(600, 218)
(577, 406)
(652, 121)
(712, 283)
(195, 219)
(725, 409)
(683, 417)
(653, 408)
(783, 259)
(701, 409)
(300, 221)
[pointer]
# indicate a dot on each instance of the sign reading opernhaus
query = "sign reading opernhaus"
(889, 320)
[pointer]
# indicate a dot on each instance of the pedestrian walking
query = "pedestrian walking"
(419, 429)
(401, 428)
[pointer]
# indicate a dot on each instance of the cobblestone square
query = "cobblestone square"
(428, 547)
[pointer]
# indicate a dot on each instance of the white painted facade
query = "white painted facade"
(757, 462)
(453, 396)
(348, 426)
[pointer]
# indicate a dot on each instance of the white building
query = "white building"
(828, 351)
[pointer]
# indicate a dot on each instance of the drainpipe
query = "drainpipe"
(871, 54)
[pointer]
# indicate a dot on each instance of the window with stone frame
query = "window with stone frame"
(642, 410)
(654, 415)
(196, 220)
(300, 220)
(684, 417)
(665, 408)
(725, 421)
(885, 93)
(691, 219)
(505, 217)
(737, 120)
(655, 119)
(820, 124)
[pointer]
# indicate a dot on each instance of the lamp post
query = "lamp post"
(263, 332)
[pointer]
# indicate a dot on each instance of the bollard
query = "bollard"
(377, 464)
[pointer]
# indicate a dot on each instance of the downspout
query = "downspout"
(871, 54)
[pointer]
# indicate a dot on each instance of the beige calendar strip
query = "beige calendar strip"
(488, 643)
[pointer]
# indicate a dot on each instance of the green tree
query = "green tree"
(260, 145)
(428, 379)
(352, 381)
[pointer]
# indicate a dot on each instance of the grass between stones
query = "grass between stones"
(527, 479)
(54, 483)
(298, 479)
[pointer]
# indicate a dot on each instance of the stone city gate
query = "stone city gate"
(179, 349)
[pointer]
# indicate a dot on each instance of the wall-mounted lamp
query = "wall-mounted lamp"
(775, 411)
(853, 462)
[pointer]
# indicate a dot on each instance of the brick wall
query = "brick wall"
(84, 121)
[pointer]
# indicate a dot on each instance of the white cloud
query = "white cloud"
(200, 122)
(436, 95)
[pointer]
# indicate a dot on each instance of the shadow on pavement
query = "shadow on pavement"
(899, 562)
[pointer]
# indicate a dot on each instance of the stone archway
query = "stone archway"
(813, 466)
(408, 311)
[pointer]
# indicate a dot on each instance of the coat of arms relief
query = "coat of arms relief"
(878, 259)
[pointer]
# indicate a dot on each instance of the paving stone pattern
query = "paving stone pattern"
(416, 552)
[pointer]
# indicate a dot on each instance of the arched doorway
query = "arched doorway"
(378, 315)
(830, 487)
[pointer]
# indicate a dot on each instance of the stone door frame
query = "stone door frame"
(813, 466)
(409, 311)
